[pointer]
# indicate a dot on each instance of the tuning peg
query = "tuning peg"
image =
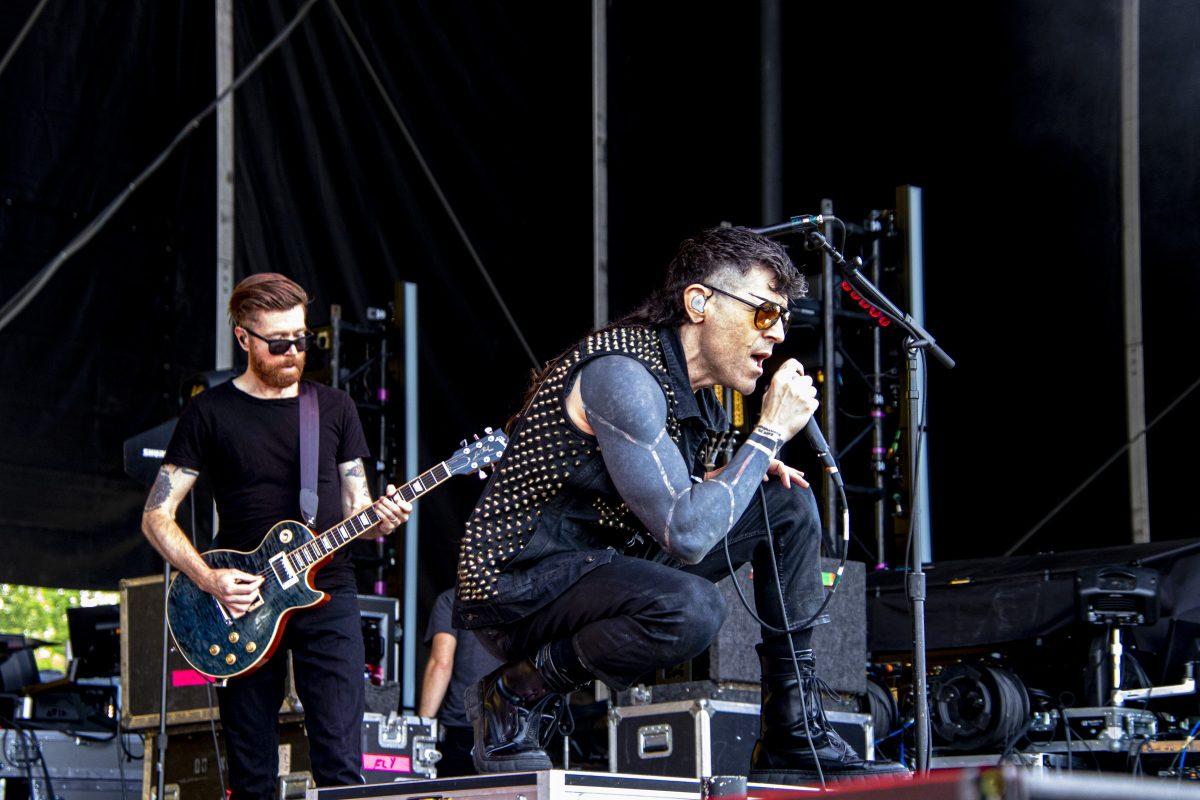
(462, 442)
(488, 431)
(483, 475)
(475, 436)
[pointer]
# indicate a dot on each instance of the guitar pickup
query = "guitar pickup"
(282, 571)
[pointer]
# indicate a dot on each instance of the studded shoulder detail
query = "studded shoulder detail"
(545, 450)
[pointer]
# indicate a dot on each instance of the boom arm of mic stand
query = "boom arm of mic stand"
(920, 336)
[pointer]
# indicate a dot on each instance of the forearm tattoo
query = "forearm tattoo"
(627, 409)
(355, 494)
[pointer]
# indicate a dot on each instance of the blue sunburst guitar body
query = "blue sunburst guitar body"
(222, 645)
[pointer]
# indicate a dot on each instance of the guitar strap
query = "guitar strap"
(310, 445)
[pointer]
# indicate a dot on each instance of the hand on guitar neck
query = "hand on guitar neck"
(392, 509)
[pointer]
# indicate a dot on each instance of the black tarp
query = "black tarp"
(1009, 120)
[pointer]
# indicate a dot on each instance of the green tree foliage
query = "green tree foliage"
(40, 612)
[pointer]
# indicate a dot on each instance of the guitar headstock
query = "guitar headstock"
(476, 456)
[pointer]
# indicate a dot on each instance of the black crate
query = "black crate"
(396, 747)
(700, 738)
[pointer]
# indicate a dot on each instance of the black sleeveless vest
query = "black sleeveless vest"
(551, 495)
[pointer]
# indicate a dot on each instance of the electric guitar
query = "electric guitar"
(221, 644)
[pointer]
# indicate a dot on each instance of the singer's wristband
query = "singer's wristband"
(768, 432)
(764, 442)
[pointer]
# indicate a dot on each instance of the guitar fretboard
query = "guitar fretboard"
(323, 545)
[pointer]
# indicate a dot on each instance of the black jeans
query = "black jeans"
(633, 615)
(328, 659)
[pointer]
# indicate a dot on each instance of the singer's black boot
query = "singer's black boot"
(795, 735)
(515, 709)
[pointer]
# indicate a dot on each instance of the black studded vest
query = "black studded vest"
(550, 511)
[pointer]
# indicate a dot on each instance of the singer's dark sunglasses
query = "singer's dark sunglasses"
(766, 313)
(278, 347)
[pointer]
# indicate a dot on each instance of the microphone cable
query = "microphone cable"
(787, 628)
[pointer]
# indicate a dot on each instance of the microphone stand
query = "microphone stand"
(917, 338)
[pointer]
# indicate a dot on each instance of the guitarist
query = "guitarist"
(244, 435)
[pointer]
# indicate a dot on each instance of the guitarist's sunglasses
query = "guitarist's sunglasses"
(766, 313)
(279, 347)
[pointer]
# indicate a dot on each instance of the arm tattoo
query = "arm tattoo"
(627, 409)
(160, 491)
(355, 494)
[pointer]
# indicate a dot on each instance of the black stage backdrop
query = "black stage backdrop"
(1008, 119)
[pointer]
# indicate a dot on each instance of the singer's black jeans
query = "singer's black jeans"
(634, 615)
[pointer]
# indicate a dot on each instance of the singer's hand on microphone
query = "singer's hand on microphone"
(790, 401)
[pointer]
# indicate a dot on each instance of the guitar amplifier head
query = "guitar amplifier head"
(191, 697)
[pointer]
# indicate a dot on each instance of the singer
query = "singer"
(595, 548)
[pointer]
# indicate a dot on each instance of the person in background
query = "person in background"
(456, 661)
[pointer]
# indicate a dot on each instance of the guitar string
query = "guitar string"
(434, 481)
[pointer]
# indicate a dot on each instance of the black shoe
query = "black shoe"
(793, 715)
(515, 711)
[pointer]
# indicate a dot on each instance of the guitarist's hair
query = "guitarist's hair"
(264, 291)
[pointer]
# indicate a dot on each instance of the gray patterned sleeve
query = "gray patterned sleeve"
(627, 409)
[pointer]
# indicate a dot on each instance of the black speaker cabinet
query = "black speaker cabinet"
(840, 646)
(190, 696)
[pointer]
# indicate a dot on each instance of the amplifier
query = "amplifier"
(190, 695)
(840, 646)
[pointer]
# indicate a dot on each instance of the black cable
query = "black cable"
(17, 303)
(212, 725)
(787, 628)
(791, 645)
(435, 185)
(828, 597)
(1107, 463)
(212, 714)
(12, 48)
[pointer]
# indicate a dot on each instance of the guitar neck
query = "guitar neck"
(349, 529)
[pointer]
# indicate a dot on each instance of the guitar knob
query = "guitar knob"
(233, 637)
(229, 659)
(251, 647)
(214, 650)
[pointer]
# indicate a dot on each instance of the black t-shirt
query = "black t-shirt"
(248, 449)
(471, 661)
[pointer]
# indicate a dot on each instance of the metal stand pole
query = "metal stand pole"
(916, 579)
(829, 300)
(412, 527)
(878, 466)
(160, 743)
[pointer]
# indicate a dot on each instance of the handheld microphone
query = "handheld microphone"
(793, 224)
(816, 440)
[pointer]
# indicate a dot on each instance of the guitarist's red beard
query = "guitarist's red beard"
(282, 372)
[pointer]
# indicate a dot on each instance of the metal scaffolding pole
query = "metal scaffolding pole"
(223, 337)
(599, 163)
(408, 679)
(1131, 229)
(771, 100)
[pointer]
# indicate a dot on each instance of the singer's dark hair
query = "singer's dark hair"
(701, 258)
